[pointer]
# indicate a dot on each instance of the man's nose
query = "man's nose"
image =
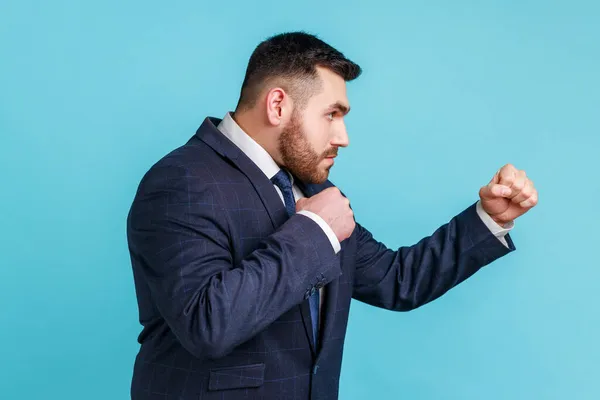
(341, 139)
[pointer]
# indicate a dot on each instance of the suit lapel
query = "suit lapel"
(210, 135)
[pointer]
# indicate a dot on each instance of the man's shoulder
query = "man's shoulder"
(193, 152)
(193, 161)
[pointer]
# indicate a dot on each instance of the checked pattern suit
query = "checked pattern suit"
(223, 276)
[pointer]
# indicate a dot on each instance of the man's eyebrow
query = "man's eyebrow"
(344, 109)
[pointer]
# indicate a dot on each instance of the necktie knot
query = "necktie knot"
(282, 180)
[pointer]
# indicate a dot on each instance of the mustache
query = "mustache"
(331, 152)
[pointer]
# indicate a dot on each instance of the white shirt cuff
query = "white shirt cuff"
(335, 243)
(496, 229)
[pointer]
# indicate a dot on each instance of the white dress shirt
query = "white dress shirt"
(269, 167)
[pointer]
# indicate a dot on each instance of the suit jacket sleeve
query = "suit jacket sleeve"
(179, 234)
(412, 276)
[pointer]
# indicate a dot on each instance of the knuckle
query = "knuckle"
(527, 192)
(530, 183)
(518, 185)
(534, 198)
(531, 201)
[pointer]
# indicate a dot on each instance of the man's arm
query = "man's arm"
(179, 236)
(413, 276)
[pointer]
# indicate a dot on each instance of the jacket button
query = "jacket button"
(315, 368)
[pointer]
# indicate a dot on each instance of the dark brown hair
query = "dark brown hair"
(289, 60)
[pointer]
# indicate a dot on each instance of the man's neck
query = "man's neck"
(259, 133)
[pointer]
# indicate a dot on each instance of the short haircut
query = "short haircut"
(289, 60)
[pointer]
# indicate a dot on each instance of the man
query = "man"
(245, 257)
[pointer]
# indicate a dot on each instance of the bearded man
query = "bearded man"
(246, 257)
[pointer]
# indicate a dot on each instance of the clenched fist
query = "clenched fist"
(333, 208)
(509, 195)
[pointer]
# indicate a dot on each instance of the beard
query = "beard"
(298, 155)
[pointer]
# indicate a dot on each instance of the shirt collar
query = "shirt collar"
(249, 146)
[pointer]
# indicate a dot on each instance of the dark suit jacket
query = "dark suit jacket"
(222, 278)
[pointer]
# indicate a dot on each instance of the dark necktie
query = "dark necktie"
(283, 182)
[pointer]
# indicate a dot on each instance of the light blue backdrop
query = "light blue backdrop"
(93, 92)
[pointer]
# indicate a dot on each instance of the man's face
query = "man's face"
(311, 139)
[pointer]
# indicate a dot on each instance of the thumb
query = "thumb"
(301, 203)
(494, 190)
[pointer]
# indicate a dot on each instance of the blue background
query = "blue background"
(92, 93)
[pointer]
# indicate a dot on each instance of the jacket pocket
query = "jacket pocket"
(242, 376)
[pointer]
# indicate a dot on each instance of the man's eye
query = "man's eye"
(330, 116)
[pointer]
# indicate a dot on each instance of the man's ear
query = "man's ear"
(279, 106)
